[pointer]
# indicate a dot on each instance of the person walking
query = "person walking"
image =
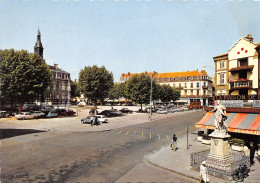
(204, 177)
(252, 153)
(174, 142)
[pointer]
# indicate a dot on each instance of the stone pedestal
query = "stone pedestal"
(219, 157)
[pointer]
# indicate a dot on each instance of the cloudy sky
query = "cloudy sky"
(129, 35)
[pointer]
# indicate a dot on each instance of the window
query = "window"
(179, 85)
(191, 85)
(243, 62)
(191, 92)
(221, 78)
(185, 85)
(222, 65)
(198, 92)
(204, 84)
(198, 84)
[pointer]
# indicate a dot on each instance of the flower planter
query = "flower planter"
(205, 141)
(237, 148)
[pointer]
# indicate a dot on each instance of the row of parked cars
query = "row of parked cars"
(160, 110)
(42, 114)
(112, 112)
(102, 116)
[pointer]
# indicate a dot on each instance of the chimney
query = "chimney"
(249, 37)
(56, 66)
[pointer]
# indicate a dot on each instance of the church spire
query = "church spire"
(38, 49)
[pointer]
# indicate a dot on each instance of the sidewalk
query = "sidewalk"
(179, 161)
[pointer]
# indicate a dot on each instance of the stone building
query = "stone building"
(59, 91)
(194, 86)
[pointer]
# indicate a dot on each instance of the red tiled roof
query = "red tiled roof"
(170, 74)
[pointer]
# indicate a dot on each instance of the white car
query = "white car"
(24, 115)
(102, 118)
(52, 114)
(161, 111)
(38, 114)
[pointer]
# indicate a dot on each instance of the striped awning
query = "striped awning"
(236, 122)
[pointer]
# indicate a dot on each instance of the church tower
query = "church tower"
(38, 49)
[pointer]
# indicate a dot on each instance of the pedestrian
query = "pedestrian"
(204, 177)
(252, 153)
(93, 118)
(174, 142)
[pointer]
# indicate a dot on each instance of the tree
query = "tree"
(24, 77)
(95, 83)
(138, 89)
(168, 93)
(75, 89)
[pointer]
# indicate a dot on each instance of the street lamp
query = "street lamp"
(151, 95)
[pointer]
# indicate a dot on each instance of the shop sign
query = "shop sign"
(237, 97)
(252, 132)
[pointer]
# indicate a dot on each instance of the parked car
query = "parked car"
(161, 111)
(24, 115)
(52, 114)
(171, 110)
(89, 120)
(68, 113)
(59, 111)
(30, 107)
(102, 118)
(126, 110)
(176, 109)
(106, 113)
(38, 114)
(4, 114)
(115, 112)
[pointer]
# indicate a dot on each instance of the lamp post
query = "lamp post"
(151, 95)
(68, 100)
(188, 136)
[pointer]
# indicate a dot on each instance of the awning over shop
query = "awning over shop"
(181, 101)
(236, 122)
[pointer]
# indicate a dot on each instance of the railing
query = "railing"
(237, 160)
(241, 84)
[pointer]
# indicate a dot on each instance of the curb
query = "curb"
(185, 175)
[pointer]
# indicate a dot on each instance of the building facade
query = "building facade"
(240, 71)
(194, 86)
(60, 90)
(221, 80)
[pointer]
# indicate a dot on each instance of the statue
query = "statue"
(220, 117)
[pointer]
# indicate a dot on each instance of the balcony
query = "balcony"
(240, 84)
(241, 68)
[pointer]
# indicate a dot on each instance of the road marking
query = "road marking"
(167, 137)
(159, 137)
(142, 134)
(127, 132)
(134, 133)
(150, 135)
(120, 131)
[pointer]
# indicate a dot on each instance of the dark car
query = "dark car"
(68, 113)
(126, 110)
(106, 113)
(59, 111)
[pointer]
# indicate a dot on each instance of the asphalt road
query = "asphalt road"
(93, 156)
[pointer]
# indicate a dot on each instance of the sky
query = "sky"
(129, 35)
